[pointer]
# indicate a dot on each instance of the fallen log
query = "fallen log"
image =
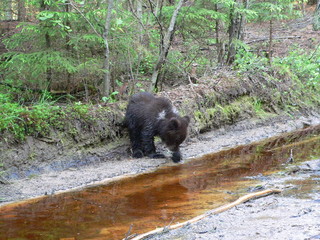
(212, 212)
(275, 38)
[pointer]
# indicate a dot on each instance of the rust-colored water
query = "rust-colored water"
(152, 200)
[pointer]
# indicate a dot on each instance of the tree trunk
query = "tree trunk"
(235, 30)
(45, 7)
(219, 44)
(316, 18)
(139, 15)
(68, 48)
(270, 42)
(9, 10)
(164, 48)
(158, 4)
(22, 12)
(106, 66)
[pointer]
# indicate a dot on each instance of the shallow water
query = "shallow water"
(171, 194)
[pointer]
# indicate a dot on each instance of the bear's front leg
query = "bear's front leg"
(176, 156)
(148, 144)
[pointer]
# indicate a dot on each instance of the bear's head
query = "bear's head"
(173, 133)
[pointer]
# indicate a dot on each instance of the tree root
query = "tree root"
(212, 212)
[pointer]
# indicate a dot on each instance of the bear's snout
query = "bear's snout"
(176, 156)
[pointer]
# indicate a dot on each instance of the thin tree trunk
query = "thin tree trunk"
(106, 66)
(303, 8)
(231, 31)
(9, 10)
(139, 15)
(157, 7)
(45, 7)
(235, 30)
(270, 42)
(164, 48)
(218, 42)
(68, 9)
(22, 12)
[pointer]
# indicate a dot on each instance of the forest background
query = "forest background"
(63, 56)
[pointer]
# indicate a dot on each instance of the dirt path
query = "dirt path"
(73, 178)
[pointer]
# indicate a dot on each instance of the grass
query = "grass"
(21, 120)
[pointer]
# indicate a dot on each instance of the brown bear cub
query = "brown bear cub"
(148, 116)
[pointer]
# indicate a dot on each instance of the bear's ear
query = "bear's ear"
(173, 123)
(187, 118)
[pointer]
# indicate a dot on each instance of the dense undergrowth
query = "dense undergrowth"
(288, 84)
(259, 89)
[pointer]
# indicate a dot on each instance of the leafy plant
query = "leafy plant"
(23, 120)
(302, 66)
(111, 98)
(248, 61)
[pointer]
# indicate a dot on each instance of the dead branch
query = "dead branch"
(212, 212)
(275, 38)
(128, 235)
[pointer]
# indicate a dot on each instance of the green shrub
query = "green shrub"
(25, 120)
(302, 66)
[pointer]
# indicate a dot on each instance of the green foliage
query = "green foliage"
(22, 120)
(258, 107)
(298, 65)
(63, 48)
(79, 109)
(112, 98)
(37, 119)
(248, 61)
(198, 20)
(302, 66)
(272, 10)
(146, 64)
(58, 46)
(296, 78)
(19, 64)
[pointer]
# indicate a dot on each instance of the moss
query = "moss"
(32, 156)
(200, 121)
(210, 112)
(122, 106)
(219, 115)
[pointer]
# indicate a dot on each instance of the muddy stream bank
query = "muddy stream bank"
(174, 192)
(99, 170)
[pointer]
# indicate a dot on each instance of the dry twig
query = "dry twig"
(212, 212)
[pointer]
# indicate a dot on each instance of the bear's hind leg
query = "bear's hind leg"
(136, 143)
